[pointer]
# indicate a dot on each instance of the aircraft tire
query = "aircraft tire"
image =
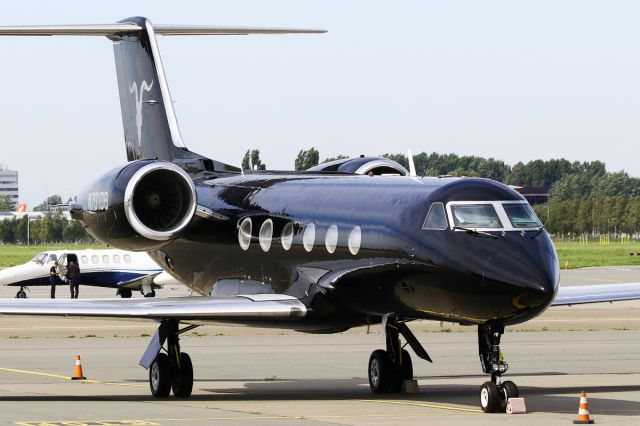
(160, 376)
(489, 397)
(183, 378)
(21, 294)
(380, 371)
(509, 390)
(405, 373)
(125, 293)
(152, 293)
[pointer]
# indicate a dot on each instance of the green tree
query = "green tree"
(50, 201)
(337, 157)
(307, 158)
(6, 204)
(252, 158)
(8, 231)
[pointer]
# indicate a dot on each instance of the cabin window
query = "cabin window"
(475, 216)
(84, 259)
(436, 218)
(105, 258)
(127, 258)
(94, 258)
(53, 258)
(309, 237)
(521, 216)
(116, 258)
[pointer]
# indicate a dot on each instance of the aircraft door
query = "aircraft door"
(62, 264)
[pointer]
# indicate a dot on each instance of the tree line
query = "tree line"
(51, 228)
(584, 198)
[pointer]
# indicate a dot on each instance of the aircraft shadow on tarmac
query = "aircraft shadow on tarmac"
(538, 399)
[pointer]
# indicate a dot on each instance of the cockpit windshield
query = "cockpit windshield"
(39, 258)
(521, 216)
(491, 216)
(475, 216)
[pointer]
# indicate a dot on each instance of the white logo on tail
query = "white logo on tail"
(139, 94)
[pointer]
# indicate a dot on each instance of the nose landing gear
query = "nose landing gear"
(494, 394)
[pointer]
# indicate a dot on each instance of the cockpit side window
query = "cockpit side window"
(436, 218)
(475, 216)
(53, 257)
(521, 216)
(40, 258)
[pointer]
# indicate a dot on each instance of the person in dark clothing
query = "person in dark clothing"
(73, 275)
(54, 279)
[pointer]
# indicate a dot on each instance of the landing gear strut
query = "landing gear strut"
(171, 370)
(494, 394)
(389, 368)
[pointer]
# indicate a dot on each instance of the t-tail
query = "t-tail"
(150, 125)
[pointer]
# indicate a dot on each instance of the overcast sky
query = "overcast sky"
(513, 80)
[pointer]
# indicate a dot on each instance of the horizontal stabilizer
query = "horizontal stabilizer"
(574, 295)
(124, 28)
(239, 308)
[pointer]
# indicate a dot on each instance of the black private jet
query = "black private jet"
(352, 243)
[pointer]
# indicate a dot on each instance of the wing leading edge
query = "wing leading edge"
(574, 295)
(241, 308)
(125, 28)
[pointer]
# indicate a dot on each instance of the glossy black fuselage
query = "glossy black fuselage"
(398, 269)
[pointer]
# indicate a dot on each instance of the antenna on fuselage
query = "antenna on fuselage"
(412, 166)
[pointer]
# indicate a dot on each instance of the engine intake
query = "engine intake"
(139, 206)
(159, 201)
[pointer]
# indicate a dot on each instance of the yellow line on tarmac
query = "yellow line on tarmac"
(57, 376)
(35, 373)
(424, 404)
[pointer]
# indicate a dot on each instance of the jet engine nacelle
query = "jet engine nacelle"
(140, 206)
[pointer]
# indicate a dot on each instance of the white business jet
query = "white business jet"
(123, 270)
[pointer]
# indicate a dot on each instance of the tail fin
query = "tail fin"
(150, 124)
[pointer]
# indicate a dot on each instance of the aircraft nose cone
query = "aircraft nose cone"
(531, 275)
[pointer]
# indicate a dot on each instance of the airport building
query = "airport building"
(9, 186)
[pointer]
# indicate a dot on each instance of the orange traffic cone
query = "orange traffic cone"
(77, 373)
(583, 411)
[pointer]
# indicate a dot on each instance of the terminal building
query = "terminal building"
(9, 186)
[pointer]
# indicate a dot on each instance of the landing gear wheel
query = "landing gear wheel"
(124, 293)
(21, 294)
(407, 366)
(183, 378)
(508, 390)
(160, 376)
(152, 293)
(489, 397)
(405, 373)
(380, 371)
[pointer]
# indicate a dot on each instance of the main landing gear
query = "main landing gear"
(170, 370)
(124, 293)
(494, 394)
(389, 368)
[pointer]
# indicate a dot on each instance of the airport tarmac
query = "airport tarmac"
(264, 377)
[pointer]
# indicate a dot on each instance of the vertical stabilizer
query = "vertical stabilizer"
(150, 125)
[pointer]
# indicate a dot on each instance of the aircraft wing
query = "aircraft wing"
(239, 308)
(578, 294)
(136, 283)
